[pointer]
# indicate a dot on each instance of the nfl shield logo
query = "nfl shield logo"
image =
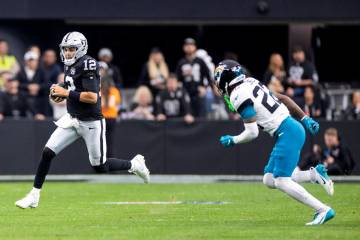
(72, 71)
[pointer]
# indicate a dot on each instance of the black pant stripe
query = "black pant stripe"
(101, 142)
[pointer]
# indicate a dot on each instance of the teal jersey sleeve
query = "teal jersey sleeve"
(246, 109)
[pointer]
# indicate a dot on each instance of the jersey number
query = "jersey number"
(69, 81)
(89, 65)
(271, 108)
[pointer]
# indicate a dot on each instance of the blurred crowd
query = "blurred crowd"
(185, 94)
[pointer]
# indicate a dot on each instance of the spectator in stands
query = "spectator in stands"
(218, 110)
(103, 69)
(110, 104)
(336, 157)
(203, 55)
(193, 73)
(50, 67)
(154, 72)
(302, 73)
(59, 109)
(32, 83)
(142, 107)
(8, 63)
(311, 107)
(173, 102)
(353, 113)
(312, 159)
(12, 102)
(275, 75)
(35, 49)
(106, 55)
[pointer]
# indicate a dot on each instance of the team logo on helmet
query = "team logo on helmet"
(218, 71)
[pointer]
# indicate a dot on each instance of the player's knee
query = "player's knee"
(268, 180)
(48, 154)
(282, 182)
(102, 168)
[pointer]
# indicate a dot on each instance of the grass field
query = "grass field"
(74, 211)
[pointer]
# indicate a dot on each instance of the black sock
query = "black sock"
(43, 167)
(118, 164)
(113, 164)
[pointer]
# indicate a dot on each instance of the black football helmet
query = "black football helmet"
(227, 74)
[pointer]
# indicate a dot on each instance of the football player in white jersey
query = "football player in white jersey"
(259, 108)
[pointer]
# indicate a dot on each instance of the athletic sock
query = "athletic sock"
(43, 167)
(302, 176)
(297, 192)
(116, 164)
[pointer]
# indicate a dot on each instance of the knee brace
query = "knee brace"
(268, 180)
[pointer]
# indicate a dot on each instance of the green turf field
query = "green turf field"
(73, 211)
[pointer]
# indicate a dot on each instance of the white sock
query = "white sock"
(301, 176)
(35, 190)
(297, 192)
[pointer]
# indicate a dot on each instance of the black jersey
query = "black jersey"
(83, 76)
(173, 104)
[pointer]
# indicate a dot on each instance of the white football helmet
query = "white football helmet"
(73, 39)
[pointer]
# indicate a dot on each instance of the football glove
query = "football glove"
(310, 124)
(227, 141)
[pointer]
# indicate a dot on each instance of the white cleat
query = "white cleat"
(321, 177)
(139, 168)
(322, 217)
(29, 201)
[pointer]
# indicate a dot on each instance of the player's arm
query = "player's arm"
(86, 97)
(294, 109)
(251, 130)
(90, 84)
(310, 124)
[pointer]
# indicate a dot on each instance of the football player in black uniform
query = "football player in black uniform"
(83, 120)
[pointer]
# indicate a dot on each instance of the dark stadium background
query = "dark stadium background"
(132, 28)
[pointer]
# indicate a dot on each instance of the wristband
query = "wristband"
(73, 95)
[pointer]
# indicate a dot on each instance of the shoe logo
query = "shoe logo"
(91, 128)
(280, 134)
(323, 180)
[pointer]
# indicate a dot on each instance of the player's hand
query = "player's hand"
(58, 91)
(311, 125)
(227, 141)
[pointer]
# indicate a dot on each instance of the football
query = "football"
(55, 98)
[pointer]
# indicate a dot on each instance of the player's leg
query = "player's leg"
(286, 155)
(268, 178)
(93, 134)
(60, 139)
(317, 175)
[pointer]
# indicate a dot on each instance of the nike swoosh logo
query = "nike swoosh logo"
(91, 128)
(322, 179)
(281, 134)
